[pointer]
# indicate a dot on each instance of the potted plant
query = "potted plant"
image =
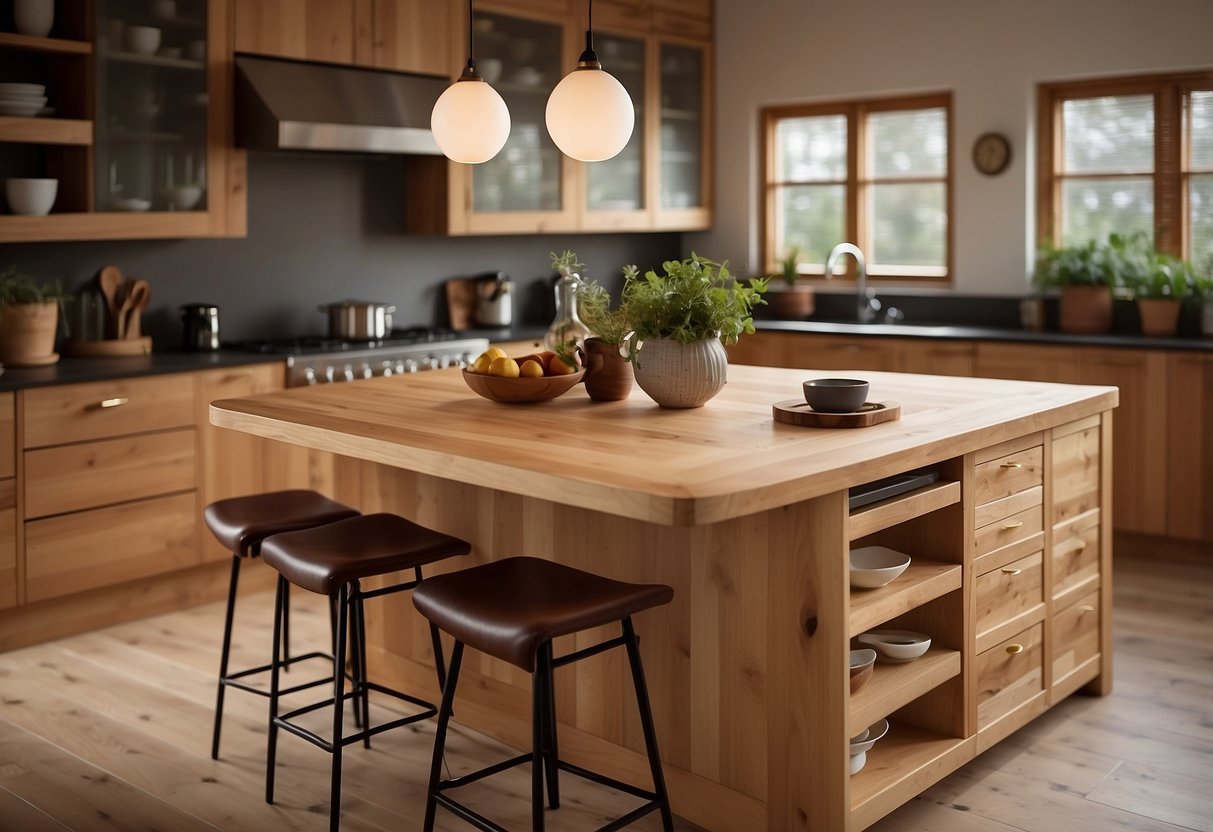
(791, 299)
(608, 375)
(29, 316)
(1160, 283)
(1085, 274)
(1204, 290)
(680, 319)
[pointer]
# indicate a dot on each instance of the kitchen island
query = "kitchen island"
(749, 521)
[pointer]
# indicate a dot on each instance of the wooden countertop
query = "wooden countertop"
(634, 459)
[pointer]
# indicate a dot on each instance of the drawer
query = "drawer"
(1075, 636)
(91, 549)
(1076, 555)
(92, 474)
(996, 543)
(1008, 675)
(8, 435)
(8, 558)
(1007, 475)
(1076, 474)
(99, 410)
(1009, 599)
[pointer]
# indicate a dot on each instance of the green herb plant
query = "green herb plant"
(611, 325)
(1112, 262)
(690, 300)
(788, 266)
(17, 288)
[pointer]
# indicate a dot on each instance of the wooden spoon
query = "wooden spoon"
(111, 280)
(124, 309)
(137, 298)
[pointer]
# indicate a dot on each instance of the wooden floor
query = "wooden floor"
(111, 731)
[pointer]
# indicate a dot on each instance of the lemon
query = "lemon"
(531, 369)
(482, 363)
(504, 367)
(496, 352)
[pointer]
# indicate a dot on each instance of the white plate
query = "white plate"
(896, 646)
(20, 110)
(13, 88)
(870, 736)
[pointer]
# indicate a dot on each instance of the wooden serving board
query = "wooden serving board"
(797, 412)
(110, 347)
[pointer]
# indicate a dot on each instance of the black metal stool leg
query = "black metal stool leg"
(223, 657)
(343, 602)
(364, 674)
(444, 717)
(355, 657)
(551, 754)
(286, 631)
(646, 723)
(275, 665)
(538, 719)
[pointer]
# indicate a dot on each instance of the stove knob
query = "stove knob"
(429, 363)
(348, 374)
(447, 361)
(367, 372)
(465, 360)
(329, 373)
(309, 375)
(386, 370)
(410, 366)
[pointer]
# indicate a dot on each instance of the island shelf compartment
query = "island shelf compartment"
(922, 582)
(895, 685)
(881, 515)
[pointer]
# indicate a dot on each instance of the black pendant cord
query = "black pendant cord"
(471, 40)
(589, 56)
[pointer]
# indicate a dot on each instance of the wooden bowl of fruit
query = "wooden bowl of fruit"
(528, 378)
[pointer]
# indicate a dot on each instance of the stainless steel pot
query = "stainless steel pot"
(359, 320)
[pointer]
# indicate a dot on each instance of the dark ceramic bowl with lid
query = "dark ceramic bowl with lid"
(835, 395)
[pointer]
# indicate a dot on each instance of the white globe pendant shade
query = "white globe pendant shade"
(590, 115)
(470, 121)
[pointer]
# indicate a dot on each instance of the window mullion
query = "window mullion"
(1168, 219)
(857, 231)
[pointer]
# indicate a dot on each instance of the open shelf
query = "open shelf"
(895, 685)
(923, 581)
(898, 766)
(46, 130)
(881, 515)
(29, 43)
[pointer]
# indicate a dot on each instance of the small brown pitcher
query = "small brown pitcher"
(608, 375)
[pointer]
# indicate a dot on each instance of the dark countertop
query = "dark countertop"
(76, 370)
(977, 333)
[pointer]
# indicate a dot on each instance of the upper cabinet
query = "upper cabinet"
(403, 35)
(135, 132)
(661, 180)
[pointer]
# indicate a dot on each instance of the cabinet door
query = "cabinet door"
(827, 352)
(942, 358)
(1026, 362)
(1140, 490)
(681, 149)
(404, 35)
(311, 30)
(1189, 446)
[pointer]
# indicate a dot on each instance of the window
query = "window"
(1127, 155)
(876, 173)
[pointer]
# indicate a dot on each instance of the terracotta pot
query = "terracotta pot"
(681, 375)
(27, 334)
(793, 302)
(1159, 316)
(1086, 309)
(609, 375)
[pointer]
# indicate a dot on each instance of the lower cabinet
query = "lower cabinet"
(1189, 458)
(1010, 675)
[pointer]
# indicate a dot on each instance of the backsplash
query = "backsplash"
(324, 228)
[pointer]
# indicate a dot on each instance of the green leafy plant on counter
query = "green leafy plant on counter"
(1158, 275)
(17, 288)
(566, 263)
(608, 324)
(1110, 262)
(788, 266)
(690, 300)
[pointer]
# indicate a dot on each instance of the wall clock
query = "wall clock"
(991, 153)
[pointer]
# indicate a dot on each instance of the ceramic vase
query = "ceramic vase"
(1159, 316)
(1086, 309)
(34, 17)
(680, 375)
(27, 334)
(608, 375)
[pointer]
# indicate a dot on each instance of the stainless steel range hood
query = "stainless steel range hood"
(290, 105)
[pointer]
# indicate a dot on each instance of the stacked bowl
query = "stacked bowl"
(22, 100)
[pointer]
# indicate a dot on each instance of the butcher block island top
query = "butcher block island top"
(634, 459)
(749, 520)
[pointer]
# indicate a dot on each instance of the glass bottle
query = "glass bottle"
(567, 326)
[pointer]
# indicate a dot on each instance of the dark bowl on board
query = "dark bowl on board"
(835, 395)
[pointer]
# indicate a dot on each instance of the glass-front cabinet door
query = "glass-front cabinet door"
(615, 192)
(683, 197)
(152, 104)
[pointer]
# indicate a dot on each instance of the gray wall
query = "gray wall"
(323, 228)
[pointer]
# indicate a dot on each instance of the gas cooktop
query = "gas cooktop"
(323, 345)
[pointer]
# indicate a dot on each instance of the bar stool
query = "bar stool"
(241, 524)
(512, 609)
(332, 560)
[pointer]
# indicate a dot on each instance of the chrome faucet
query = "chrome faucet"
(866, 304)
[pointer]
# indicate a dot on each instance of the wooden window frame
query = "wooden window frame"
(1170, 91)
(857, 181)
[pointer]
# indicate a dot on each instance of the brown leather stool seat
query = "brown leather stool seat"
(512, 609)
(240, 524)
(332, 560)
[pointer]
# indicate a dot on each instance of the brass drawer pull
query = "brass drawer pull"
(1011, 465)
(117, 401)
(1006, 527)
(1007, 570)
(1086, 608)
(1012, 649)
(1082, 544)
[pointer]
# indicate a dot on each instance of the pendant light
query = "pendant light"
(470, 120)
(590, 115)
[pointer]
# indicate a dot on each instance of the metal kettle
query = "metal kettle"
(200, 324)
(494, 299)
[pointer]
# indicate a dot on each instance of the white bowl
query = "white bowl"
(31, 197)
(896, 646)
(861, 667)
(858, 761)
(874, 566)
(21, 108)
(182, 197)
(131, 204)
(863, 743)
(30, 90)
(142, 40)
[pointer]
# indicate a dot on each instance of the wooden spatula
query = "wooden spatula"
(111, 282)
(137, 298)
